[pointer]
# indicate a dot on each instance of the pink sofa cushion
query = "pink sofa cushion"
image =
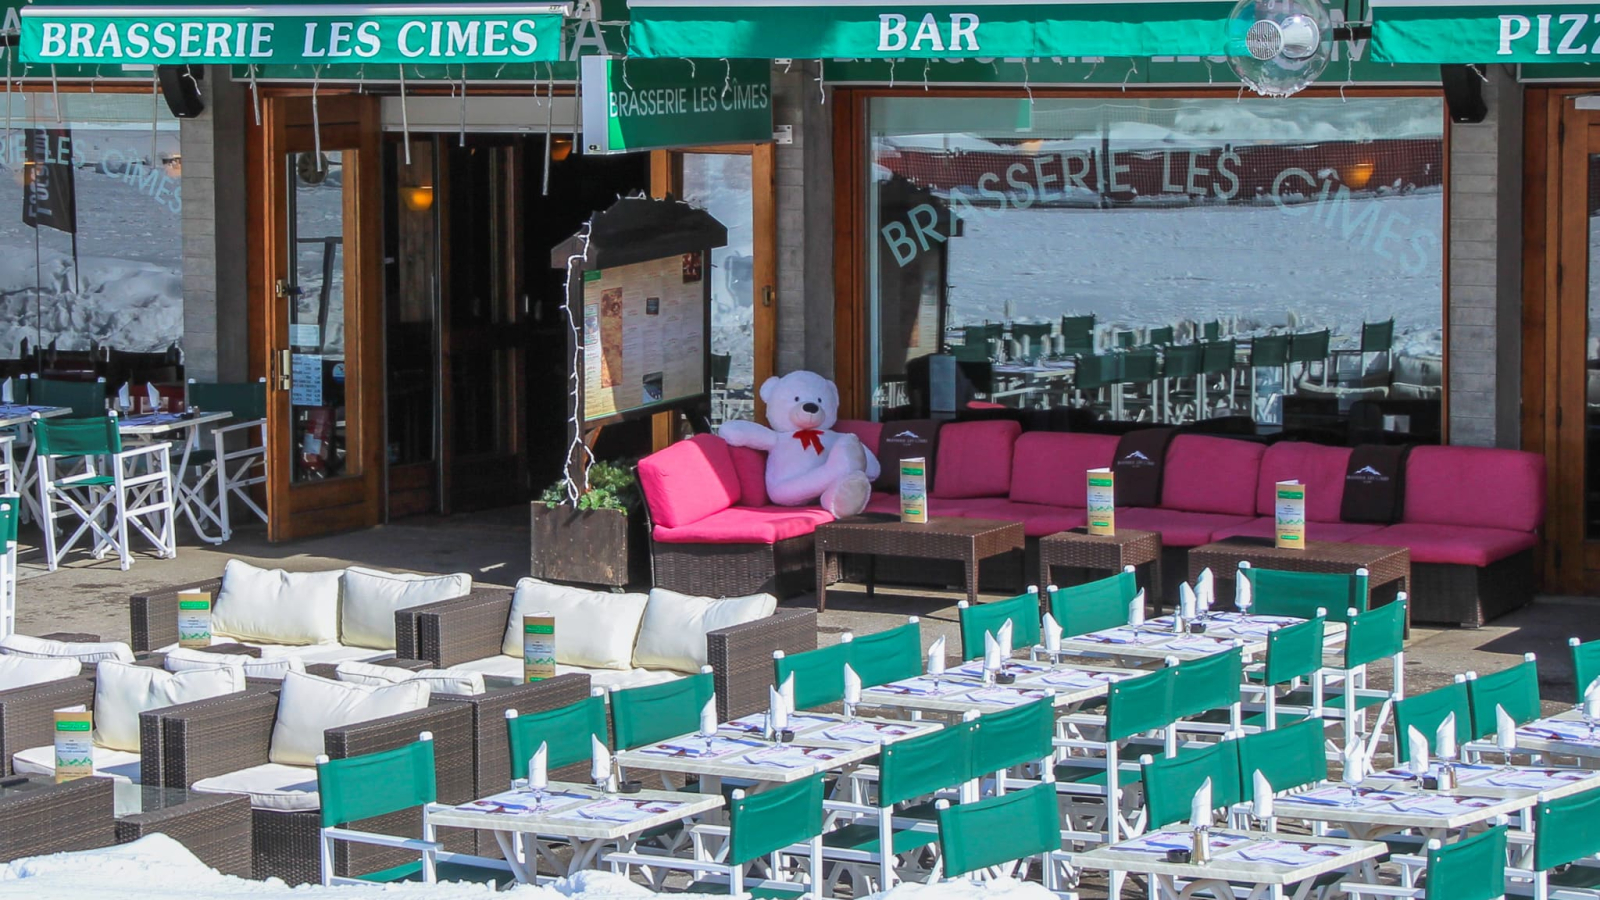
(868, 432)
(689, 480)
(751, 467)
(1321, 469)
(1178, 528)
(1207, 474)
(975, 459)
(1048, 466)
(1037, 520)
(1461, 545)
(884, 502)
(1316, 532)
(1475, 486)
(747, 525)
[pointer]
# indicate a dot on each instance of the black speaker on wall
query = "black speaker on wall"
(180, 86)
(1463, 94)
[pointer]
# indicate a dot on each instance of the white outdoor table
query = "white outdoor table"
(580, 815)
(20, 416)
(1489, 780)
(830, 730)
(152, 427)
(751, 759)
(961, 689)
(1155, 640)
(1386, 807)
(1561, 735)
(1260, 864)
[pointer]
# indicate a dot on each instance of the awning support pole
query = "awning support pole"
(316, 121)
(405, 122)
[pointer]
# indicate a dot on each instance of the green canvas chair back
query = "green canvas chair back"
(565, 731)
(77, 437)
(1295, 651)
(247, 400)
(1170, 783)
(886, 656)
(655, 712)
(1015, 736)
(86, 399)
(10, 509)
(1094, 605)
(1425, 712)
(1210, 682)
(1212, 330)
(376, 784)
(1516, 689)
(1139, 366)
(1092, 371)
(1311, 346)
(1301, 594)
(1077, 333)
(916, 767)
(1473, 868)
(1022, 610)
(1269, 350)
(1290, 757)
(1124, 339)
(1585, 664)
(1216, 357)
(818, 674)
(1032, 330)
(1137, 705)
(1566, 830)
(1182, 361)
(770, 820)
(1377, 337)
(972, 352)
(991, 832)
(1375, 634)
(721, 367)
(1160, 337)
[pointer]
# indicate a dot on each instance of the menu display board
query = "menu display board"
(644, 335)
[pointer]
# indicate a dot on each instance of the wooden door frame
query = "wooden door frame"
(345, 121)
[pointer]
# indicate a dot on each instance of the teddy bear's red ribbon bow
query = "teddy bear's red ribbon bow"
(810, 439)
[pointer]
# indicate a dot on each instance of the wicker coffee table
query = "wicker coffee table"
(38, 816)
(216, 828)
(1387, 567)
(967, 541)
(1078, 549)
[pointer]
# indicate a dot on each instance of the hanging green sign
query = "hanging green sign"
(1475, 31)
(655, 104)
(289, 33)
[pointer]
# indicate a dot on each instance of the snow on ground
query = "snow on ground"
(158, 866)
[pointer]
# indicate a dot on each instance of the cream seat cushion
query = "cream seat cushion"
(371, 598)
(277, 607)
(183, 659)
(272, 786)
(118, 765)
(21, 671)
(673, 635)
(307, 654)
(86, 653)
(594, 629)
(122, 691)
(459, 682)
(511, 667)
(308, 706)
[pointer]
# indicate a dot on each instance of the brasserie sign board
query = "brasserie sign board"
(655, 104)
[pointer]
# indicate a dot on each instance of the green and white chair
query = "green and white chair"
(1022, 736)
(10, 512)
(1294, 656)
(1515, 690)
(779, 825)
(1209, 695)
(1370, 638)
(988, 618)
(1291, 758)
(1472, 868)
(878, 658)
(1136, 709)
(656, 712)
(1585, 664)
(136, 493)
(977, 840)
(886, 656)
(565, 732)
(1300, 594)
(1170, 782)
(1094, 605)
(1558, 861)
(1426, 712)
(230, 474)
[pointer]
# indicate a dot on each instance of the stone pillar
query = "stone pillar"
(805, 220)
(215, 329)
(1485, 274)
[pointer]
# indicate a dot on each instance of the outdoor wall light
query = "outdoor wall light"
(560, 147)
(1358, 175)
(418, 198)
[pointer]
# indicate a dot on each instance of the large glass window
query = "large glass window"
(721, 184)
(91, 245)
(1161, 260)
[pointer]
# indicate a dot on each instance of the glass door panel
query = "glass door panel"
(315, 296)
(723, 185)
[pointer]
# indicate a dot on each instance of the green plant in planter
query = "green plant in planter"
(612, 485)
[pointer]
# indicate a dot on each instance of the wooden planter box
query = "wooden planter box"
(588, 546)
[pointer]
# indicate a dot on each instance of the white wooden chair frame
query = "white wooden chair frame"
(229, 474)
(131, 499)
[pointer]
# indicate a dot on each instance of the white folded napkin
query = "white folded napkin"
(1200, 807)
(1052, 636)
(124, 401)
(1186, 601)
(600, 761)
(708, 718)
(153, 396)
(1355, 766)
(1136, 610)
(1591, 701)
(1243, 594)
(5, 391)
(1417, 743)
(992, 660)
(852, 687)
(1444, 739)
(1263, 795)
(777, 710)
(538, 767)
(1004, 638)
(787, 691)
(1205, 590)
(1505, 730)
(936, 657)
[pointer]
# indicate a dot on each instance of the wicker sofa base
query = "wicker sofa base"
(1468, 595)
(731, 570)
(215, 828)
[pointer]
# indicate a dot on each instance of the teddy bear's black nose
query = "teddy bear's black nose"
(811, 407)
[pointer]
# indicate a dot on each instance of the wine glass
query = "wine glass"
(1352, 777)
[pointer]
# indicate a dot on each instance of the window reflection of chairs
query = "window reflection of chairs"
(73, 365)
(1308, 348)
(229, 474)
(1077, 335)
(1032, 342)
(1161, 337)
(1267, 351)
(1139, 372)
(1181, 383)
(1377, 340)
(1216, 366)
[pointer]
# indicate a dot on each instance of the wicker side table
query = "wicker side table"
(1078, 549)
(38, 816)
(214, 827)
(967, 541)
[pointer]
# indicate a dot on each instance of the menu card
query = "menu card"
(914, 490)
(538, 647)
(1102, 501)
(1291, 509)
(74, 730)
(194, 619)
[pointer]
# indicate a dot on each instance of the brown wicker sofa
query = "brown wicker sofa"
(453, 632)
(27, 714)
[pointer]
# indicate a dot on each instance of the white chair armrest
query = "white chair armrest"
(159, 448)
(382, 840)
(238, 426)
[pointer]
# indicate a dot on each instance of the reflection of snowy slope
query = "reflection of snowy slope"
(125, 304)
(720, 184)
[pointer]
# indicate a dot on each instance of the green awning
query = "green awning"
(1485, 31)
(296, 32)
(930, 29)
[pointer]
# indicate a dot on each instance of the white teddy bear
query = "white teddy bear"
(806, 461)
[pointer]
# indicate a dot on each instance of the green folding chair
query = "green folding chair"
(1179, 363)
(1310, 347)
(1033, 340)
(999, 831)
(231, 474)
(1426, 712)
(566, 732)
(818, 674)
(1516, 690)
(10, 511)
(1010, 738)
(656, 712)
(1077, 334)
(1473, 868)
(1376, 338)
(1209, 691)
(86, 399)
(1170, 783)
(1134, 707)
(1217, 359)
(1565, 842)
(1294, 654)
(1160, 337)
(136, 493)
(1585, 665)
(1094, 605)
(773, 824)
(1290, 758)
(1268, 351)
(1022, 611)
(1370, 637)
(886, 656)
(1301, 594)
(913, 772)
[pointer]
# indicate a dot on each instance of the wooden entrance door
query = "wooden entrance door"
(318, 312)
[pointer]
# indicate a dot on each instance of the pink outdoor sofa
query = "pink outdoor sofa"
(1471, 516)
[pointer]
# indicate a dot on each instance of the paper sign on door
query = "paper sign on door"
(194, 619)
(74, 744)
(1291, 510)
(538, 647)
(1102, 501)
(914, 490)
